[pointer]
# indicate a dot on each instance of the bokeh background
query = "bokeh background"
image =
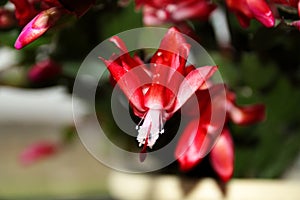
(262, 65)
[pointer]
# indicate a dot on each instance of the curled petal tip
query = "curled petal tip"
(18, 45)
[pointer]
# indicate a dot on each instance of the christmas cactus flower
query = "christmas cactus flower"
(173, 11)
(192, 146)
(169, 83)
(245, 10)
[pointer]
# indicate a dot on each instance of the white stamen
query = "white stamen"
(151, 128)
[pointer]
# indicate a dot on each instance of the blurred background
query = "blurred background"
(261, 65)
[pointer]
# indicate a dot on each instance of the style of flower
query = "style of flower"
(42, 19)
(192, 146)
(172, 11)
(157, 91)
(245, 10)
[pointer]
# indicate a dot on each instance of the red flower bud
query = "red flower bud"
(44, 71)
(38, 26)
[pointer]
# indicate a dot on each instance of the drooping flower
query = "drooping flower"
(245, 10)
(40, 18)
(198, 137)
(172, 11)
(38, 151)
(157, 91)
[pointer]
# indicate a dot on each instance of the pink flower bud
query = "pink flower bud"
(38, 26)
(44, 71)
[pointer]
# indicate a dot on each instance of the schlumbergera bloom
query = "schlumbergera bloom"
(245, 10)
(192, 146)
(172, 11)
(160, 89)
(40, 16)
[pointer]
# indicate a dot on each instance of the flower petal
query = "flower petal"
(222, 156)
(247, 114)
(189, 145)
(192, 82)
(262, 12)
(129, 82)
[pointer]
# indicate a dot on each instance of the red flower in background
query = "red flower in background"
(245, 10)
(169, 83)
(168, 11)
(192, 146)
(44, 71)
(38, 151)
(42, 15)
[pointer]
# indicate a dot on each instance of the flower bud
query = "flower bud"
(38, 26)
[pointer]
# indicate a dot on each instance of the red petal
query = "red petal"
(222, 156)
(189, 146)
(194, 10)
(192, 82)
(172, 45)
(262, 12)
(247, 114)
(129, 82)
(119, 43)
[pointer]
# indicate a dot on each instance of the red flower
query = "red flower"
(168, 11)
(157, 91)
(197, 138)
(245, 10)
(38, 151)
